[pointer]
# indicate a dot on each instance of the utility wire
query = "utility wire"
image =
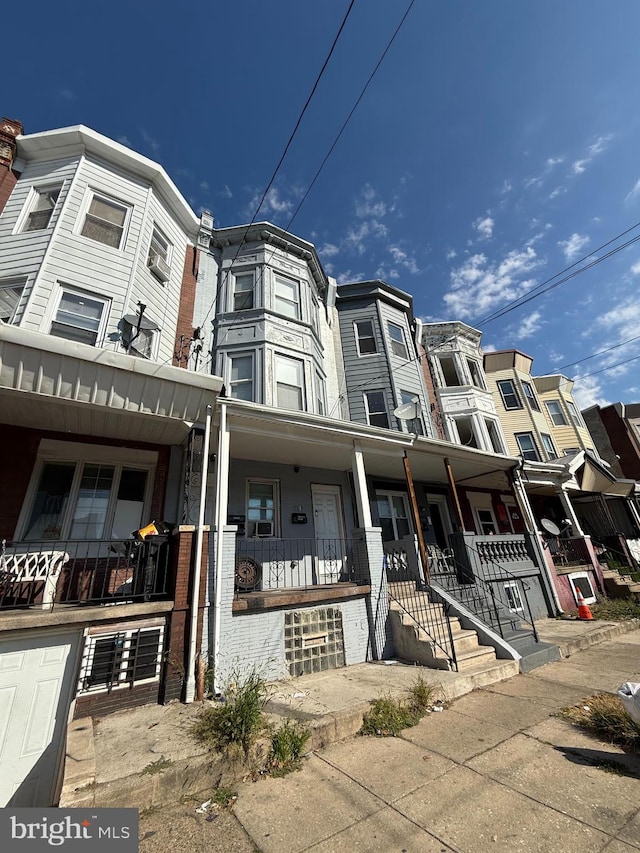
(224, 278)
(516, 303)
(604, 369)
(600, 352)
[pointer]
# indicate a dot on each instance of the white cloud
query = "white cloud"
(530, 325)
(226, 192)
(479, 285)
(554, 161)
(348, 275)
(369, 204)
(574, 246)
(634, 192)
(124, 140)
(624, 318)
(506, 187)
(489, 348)
(401, 257)
(558, 191)
(635, 269)
(579, 166)
(484, 227)
(329, 250)
(149, 141)
(451, 254)
(588, 392)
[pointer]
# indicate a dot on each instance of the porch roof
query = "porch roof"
(59, 385)
(580, 472)
(266, 434)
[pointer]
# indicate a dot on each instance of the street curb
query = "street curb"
(599, 635)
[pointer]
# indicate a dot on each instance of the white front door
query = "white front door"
(329, 532)
(37, 678)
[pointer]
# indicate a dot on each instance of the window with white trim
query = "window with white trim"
(159, 257)
(494, 435)
(530, 395)
(365, 337)
(449, 371)
(121, 657)
(287, 296)
(555, 413)
(42, 203)
(575, 414)
(514, 599)
(548, 445)
(510, 398)
(79, 317)
(476, 373)
(321, 395)
(467, 432)
(105, 220)
(92, 498)
(527, 446)
(486, 521)
(569, 451)
(289, 383)
(376, 409)
(262, 507)
(393, 515)
(243, 292)
(10, 294)
(413, 425)
(398, 342)
(241, 376)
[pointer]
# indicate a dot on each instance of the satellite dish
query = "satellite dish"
(408, 411)
(550, 526)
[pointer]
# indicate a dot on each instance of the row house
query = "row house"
(96, 247)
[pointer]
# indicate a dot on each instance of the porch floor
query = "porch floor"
(273, 598)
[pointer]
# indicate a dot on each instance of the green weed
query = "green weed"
(287, 747)
(616, 609)
(605, 716)
(389, 716)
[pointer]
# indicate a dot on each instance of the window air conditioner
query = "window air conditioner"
(159, 267)
(264, 528)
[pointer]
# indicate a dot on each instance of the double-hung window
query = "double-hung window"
(398, 343)
(413, 424)
(287, 297)
(548, 445)
(321, 397)
(41, 207)
(476, 373)
(494, 435)
(86, 500)
(241, 376)
(530, 395)
(10, 293)
(449, 371)
(575, 415)
(376, 409)
(555, 413)
(79, 317)
(527, 446)
(262, 507)
(105, 220)
(159, 256)
(365, 337)
(289, 383)
(243, 298)
(393, 514)
(509, 394)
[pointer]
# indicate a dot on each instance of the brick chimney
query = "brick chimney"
(9, 129)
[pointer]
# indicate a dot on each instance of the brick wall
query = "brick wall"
(120, 699)
(9, 129)
(436, 415)
(187, 305)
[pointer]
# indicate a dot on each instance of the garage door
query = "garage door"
(37, 678)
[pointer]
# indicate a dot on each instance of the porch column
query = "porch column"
(545, 573)
(222, 504)
(569, 510)
(362, 493)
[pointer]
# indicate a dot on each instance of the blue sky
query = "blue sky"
(498, 143)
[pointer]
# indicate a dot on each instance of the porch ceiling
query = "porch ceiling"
(58, 385)
(268, 435)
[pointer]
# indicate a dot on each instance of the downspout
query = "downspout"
(222, 500)
(197, 566)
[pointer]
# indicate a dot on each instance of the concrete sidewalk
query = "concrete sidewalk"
(145, 757)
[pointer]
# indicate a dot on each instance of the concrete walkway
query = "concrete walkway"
(495, 772)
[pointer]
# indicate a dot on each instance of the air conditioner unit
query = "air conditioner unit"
(264, 528)
(159, 267)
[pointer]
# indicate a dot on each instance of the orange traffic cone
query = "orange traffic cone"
(584, 611)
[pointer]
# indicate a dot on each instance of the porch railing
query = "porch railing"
(496, 595)
(570, 551)
(50, 573)
(407, 588)
(271, 564)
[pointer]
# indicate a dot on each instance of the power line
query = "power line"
(600, 352)
(604, 369)
(517, 303)
(284, 154)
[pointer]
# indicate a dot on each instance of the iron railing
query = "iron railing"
(409, 591)
(49, 573)
(568, 551)
(271, 564)
(498, 597)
